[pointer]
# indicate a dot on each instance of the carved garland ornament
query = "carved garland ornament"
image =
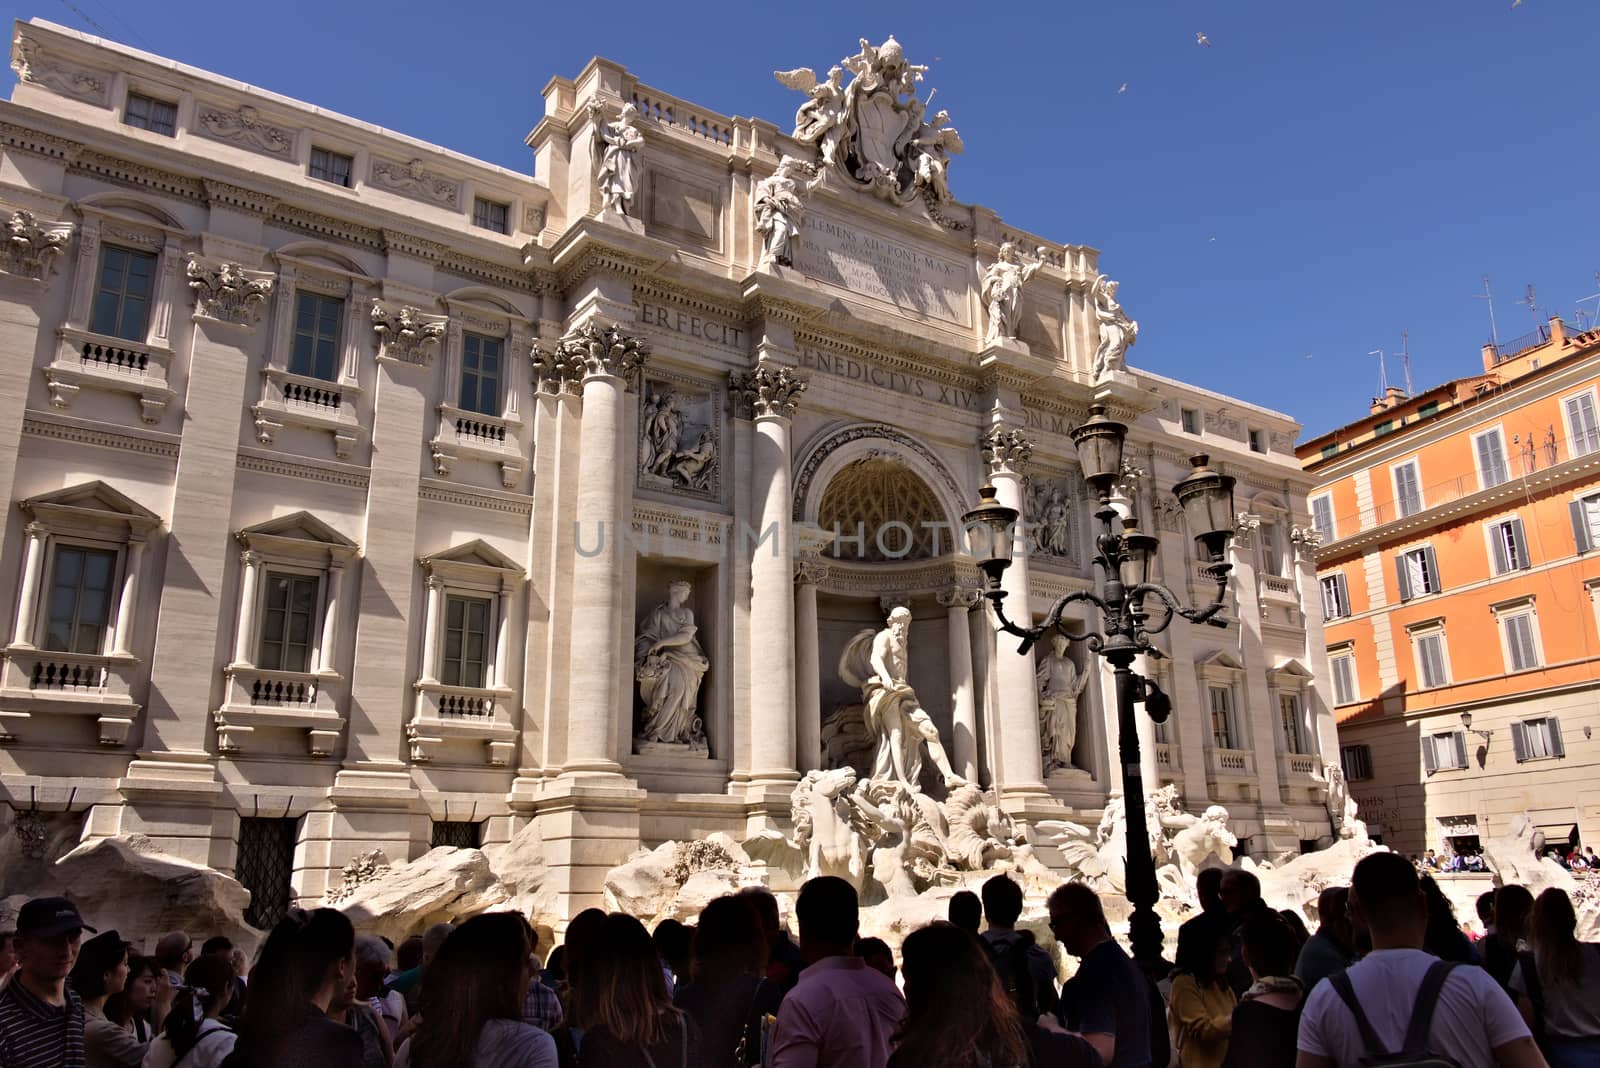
(246, 128)
(766, 391)
(227, 292)
(31, 247)
(407, 334)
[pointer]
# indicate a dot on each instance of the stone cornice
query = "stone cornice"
(328, 228)
(490, 500)
(908, 361)
(729, 307)
(119, 171)
(50, 146)
(105, 436)
(274, 463)
(237, 196)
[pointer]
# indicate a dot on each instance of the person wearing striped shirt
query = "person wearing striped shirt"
(41, 1020)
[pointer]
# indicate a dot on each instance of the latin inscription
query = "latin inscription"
(1049, 422)
(682, 322)
(865, 264)
(855, 370)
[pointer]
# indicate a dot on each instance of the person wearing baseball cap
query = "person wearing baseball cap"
(41, 1020)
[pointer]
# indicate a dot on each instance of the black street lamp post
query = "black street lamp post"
(1124, 557)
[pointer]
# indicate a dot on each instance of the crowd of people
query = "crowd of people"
(1387, 973)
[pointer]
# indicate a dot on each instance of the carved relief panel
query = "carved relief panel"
(1054, 506)
(680, 437)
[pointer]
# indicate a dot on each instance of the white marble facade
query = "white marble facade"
(342, 471)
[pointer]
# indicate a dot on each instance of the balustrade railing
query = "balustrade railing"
(112, 356)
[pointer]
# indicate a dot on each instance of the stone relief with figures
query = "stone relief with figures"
(678, 446)
(1051, 515)
(874, 130)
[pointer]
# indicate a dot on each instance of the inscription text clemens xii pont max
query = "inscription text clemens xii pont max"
(865, 264)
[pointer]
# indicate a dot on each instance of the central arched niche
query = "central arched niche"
(882, 512)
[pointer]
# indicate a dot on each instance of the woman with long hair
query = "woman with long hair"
(1267, 1018)
(195, 1036)
(1561, 984)
(308, 958)
(101, 971)
(624, 1016)
(136, 1008)
(1513, 905)
(958, 1015)
(1202, 1002)
(1444, 937)
(728, 994)
(471, 1005)
(348, 1008)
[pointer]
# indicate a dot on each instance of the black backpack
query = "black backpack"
(1010, 959)
(1415, 1052)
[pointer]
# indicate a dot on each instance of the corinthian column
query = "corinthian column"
(808, 571)
(957, 601)
(770, 393)
(611, 362)
(1019, 765)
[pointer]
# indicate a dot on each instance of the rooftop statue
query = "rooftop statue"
(871, 130)
(619, 142)
(1002, 290)
(1117, 331)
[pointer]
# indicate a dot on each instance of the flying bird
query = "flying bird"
(1516, 3)
(1123, 88)
(1204, 41)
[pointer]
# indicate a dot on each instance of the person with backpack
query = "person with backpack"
(1025, 970)
(1110, 1003)
(1402, 1006)
(195, 1036)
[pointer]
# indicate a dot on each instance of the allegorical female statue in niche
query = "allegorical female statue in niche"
(669, 666)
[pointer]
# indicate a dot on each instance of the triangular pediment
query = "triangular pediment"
(93, 497)
(1220, 658)
(475, 553)
(301, 526)
(1291, 666)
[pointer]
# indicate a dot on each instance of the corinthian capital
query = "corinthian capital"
(556, 369)
(227, 292)
(959, 595)
(1006, 451)
(765, 391)
(604, 350)
(31, 247)
(406, 333)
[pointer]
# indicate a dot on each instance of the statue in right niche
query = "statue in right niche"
(669, 665)
(1060, 685)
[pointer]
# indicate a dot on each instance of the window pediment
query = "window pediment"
(92, 507)
(1220, 663)
(299, 534)
(475, 562)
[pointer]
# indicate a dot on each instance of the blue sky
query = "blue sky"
(1321, 178)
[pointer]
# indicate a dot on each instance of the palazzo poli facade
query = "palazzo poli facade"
(361, 495)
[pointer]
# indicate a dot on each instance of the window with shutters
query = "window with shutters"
(1427, 409)
(1537, 739)
(1407, 488)
(123, 294)
(1289, 719)
(1258, 440)
(1583, 428)
(1490, 451)
(1356, 761)
(1508, 548)
(1190, 420)
(80, 598)
(148, 113)
(1417, 572)
(1585, 514)
(1271, 541)
(291, 611)
(1322, 516)
(1343, 667)
(1335, 596)
(1427, 646)
(466, 642)
(318, 324)
(1444, 752)
(1519, 635)
(1222, 733)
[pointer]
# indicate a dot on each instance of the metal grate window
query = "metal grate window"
(457, 833)
(332, 167)
(489, 215)
(266, 867)
(148, 113)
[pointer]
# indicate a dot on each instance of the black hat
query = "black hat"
(49, 917)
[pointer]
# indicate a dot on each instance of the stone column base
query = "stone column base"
(588, 826)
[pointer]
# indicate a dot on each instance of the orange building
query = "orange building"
(1460, 577)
